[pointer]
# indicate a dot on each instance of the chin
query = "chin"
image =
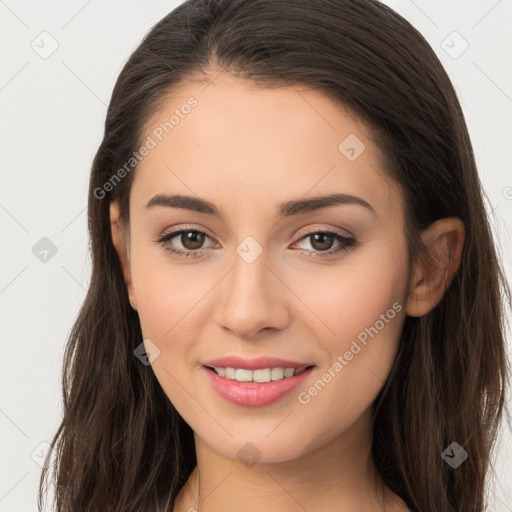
(260, 448)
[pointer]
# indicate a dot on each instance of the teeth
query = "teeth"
(242, 375)
(277, 373)
(288, 372)
(260, 375)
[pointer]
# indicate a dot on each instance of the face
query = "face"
(255, 275)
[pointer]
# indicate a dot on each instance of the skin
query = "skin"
(247, 150)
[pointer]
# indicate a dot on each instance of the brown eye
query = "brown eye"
(322, 243)
(190, 240)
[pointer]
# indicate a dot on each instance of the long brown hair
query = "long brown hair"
(121, 445)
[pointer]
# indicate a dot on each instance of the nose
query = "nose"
(252, 298)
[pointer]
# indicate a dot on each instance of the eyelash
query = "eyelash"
(347, 241)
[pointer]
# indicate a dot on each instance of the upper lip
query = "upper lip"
(255, 363)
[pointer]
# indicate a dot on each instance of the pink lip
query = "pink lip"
(254, 394)
(256, 363)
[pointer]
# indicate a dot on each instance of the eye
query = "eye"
(323, 241)
(190, 239)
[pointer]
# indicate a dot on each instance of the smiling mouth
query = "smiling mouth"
(260, 375)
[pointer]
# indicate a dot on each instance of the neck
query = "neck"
(339, 475)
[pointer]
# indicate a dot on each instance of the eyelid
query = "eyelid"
(174, 230)
(343, 233)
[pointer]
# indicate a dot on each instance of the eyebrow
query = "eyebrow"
(287, 209)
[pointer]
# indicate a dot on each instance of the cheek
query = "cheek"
(363, 312)
(167, 299)
(352, 297)
(167, 293)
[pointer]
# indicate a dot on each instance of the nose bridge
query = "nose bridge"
(250, 270)
(253, 298)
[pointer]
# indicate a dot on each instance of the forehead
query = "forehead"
(230, 137)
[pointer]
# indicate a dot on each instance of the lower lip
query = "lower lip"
(254, 394)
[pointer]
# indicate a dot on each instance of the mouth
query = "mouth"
(267, 381)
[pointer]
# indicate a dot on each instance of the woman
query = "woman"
(295, 295)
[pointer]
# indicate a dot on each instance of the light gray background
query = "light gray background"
(52, 112)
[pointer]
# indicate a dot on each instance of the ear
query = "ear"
(434, 272)
(121, 243)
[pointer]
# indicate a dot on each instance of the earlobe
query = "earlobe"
(120, 242)
(434, 272)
